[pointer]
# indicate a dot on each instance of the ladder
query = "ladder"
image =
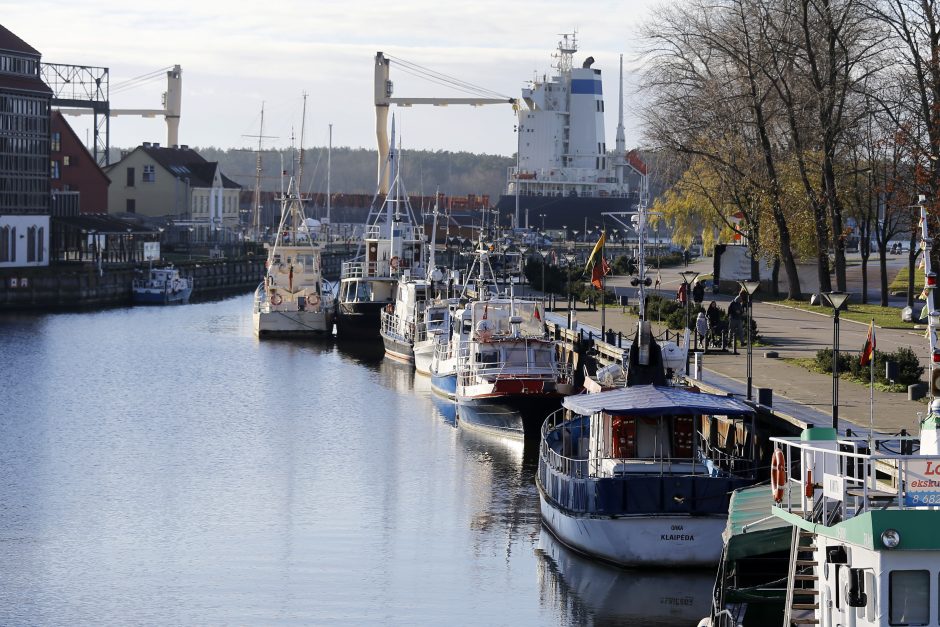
(802, 580)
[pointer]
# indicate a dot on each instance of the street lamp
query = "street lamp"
(750, 287)
(836, 300)
(569, 257)
(688, 278)
(544, 254)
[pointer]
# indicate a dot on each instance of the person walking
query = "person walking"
(735, 312)
(681, 296)
(713, 313)
(698, 293)
(701, 328)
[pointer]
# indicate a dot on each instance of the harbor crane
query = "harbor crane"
(383, 99)
(83, 90)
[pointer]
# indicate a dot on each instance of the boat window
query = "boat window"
(872, 596)
(488, 357)
(543, 356)
(516, 355)
(363, 291)
(652, 439)
(438, 316)
(908, 597)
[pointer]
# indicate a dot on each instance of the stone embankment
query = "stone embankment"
(81, 285)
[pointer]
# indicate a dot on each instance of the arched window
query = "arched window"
(40, 244)
(31, 244)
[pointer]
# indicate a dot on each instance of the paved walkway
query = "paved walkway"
(790, 332)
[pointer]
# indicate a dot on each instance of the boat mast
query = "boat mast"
(329, 169)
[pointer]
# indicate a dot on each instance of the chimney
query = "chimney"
(156, 144)
(175, 147)
(146, 144)
(184, 147)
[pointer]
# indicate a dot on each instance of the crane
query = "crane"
(384, 99)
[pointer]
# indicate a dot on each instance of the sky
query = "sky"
(238, 54)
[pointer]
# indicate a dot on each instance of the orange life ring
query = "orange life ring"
(276, 299)
(778, 475)
(394, 262)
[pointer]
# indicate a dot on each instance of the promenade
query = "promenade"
(803, 395)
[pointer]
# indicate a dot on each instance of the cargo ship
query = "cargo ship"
(564, 173)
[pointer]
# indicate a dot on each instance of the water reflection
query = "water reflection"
(592, 593)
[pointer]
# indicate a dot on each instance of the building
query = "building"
(79, 185)
(176, 184)
(25, 104)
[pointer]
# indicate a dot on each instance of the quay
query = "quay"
(85, 285)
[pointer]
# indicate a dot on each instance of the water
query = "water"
(162, 466)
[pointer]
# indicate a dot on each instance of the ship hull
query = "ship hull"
(563, 210)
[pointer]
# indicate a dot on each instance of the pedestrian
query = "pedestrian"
(735, 312)
(698, 293)
(681, 297)
(701, 328)
(713, 313)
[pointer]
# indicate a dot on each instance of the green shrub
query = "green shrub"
(909, 368)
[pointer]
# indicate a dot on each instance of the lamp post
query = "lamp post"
(688, 277)
(750, 287)
(505, 248)
(544, 254)
(569, 257)
(836, 300)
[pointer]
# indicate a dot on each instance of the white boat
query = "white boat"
(508, 357)
(162, 286)
(392, 249)
(634, 477)
(400, 319)
(430, 333)
(293, 300)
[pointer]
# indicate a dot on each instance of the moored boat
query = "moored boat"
(161, 286)
(636, 477)
(392, 248)
(293, 300)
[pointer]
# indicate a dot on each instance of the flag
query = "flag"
(486, 309)
(868, 353)
(597, 249)
(290, 278)
(600, 270)
(536, 314)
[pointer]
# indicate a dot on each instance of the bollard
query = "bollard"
(699, 366)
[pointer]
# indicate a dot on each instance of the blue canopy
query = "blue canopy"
(654, 400)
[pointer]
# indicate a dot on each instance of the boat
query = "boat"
(854, 517)
(641, 476)
(293, 299)
(564, 171)
(392, 248)
(161, 286)
(507, 356)
(431, 332)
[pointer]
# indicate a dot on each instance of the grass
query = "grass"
(808, 363)
(888, 317)
(899, 283)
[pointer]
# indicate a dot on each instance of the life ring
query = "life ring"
(394, 263)
(778, 475)
(313, 300)
(276, 299)
(282, 268)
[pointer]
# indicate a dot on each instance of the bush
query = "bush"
(909, 368)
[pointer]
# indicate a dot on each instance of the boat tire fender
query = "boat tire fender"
(778, 475)
(394, 262)
(276, 299)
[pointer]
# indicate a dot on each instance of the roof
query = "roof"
(653, 400)
(187, 163)
(20, 82)
(752, 528)
(102, 224)
(11, 43)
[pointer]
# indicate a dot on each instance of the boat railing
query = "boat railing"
(358, 269)
(406, 232)
(837, 480)
(489, 364)
(394, 325)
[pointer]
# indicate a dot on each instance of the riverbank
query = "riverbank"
(83, 285)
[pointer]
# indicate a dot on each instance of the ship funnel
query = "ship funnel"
(588, 62)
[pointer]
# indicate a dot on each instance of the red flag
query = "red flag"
(600, 270)
(868, 353)
(536, 314)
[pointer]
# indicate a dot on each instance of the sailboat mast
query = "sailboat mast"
(329, 170)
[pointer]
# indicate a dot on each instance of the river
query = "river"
(163, 466)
